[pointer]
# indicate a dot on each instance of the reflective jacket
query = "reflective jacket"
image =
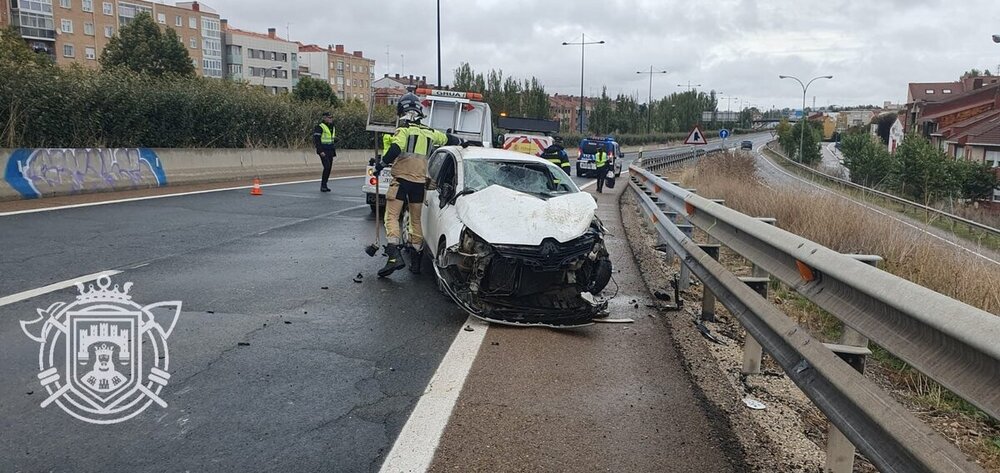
(601, 158)
(409, 150)
(323, 138)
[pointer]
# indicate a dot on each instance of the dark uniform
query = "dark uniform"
(556, 154)
(324, 135)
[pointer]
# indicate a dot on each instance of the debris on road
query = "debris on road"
(243, 344)
(359, 278)
(705, 332)
(754, 404)
(614, 321)
(663, 296)
(325, 288)
(468, 328)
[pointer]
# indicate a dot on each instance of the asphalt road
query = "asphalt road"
(330, 369)
(279, 361)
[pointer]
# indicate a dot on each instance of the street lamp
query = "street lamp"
(439, 41)
(996, 38)
(649, 102)
(264, 76)
(583, 45)
(805, 87)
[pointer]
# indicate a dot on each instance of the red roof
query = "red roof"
(985, 133)
(933, 91)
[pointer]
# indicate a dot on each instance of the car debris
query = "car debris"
(754, 404)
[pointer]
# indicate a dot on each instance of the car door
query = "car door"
(441, 185)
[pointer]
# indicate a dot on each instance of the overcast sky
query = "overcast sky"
(873, 48)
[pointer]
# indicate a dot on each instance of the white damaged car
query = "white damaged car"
(512, 238)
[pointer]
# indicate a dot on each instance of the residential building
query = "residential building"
(258, 58)
(388, 95)
(565, 108)
(349, 73)
(5, 13)
(854, 118)
(829, 122)
(77, 31)
(398, 82)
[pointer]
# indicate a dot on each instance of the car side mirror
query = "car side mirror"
(445, 193)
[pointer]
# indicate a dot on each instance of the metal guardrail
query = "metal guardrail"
(971, 223)
(951, 342)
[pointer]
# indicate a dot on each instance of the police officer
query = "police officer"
(324, 135)
(556, 154)
(407, 154)
(601, 163)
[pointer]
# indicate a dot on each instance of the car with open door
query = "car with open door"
(512, 238)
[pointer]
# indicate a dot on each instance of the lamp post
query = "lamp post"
(805, 87)
(439, 41)
(689, 85)
(649, 102)
(264, 76)
(583, 46)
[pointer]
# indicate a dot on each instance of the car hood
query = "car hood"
(502, 216)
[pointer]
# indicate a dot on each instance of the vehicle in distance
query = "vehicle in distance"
(512, 239)
(746, 144)
(585, 164)
(527, 135)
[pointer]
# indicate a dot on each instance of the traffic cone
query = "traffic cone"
(256, 187)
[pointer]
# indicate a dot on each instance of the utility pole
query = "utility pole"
(649, 102)
(583, 45)
(689, 86)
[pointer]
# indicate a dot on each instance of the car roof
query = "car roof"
(496, 154)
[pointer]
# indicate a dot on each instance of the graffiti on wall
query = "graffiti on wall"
(39, 172)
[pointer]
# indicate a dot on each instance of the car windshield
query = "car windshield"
(535, 178)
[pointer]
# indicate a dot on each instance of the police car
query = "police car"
(586, 164)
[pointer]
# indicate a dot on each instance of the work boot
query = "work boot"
(416, 260)
(324, 189)
(393, 263)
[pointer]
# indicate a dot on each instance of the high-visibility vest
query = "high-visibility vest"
(329, 134)
(601, 159)
(419, 140)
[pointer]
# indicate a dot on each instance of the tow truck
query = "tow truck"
(463, 114)
(527, 135)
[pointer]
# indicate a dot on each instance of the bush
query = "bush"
(76, 108)
(572, 139)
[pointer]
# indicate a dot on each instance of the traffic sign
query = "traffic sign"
(696, 137)
(723, 133)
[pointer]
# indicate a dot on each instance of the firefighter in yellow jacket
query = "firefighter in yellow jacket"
(407, 154)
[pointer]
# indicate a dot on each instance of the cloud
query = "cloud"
(873, 49)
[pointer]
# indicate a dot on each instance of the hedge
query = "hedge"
(626, 139)
(74, 108)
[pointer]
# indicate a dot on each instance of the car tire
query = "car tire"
(601, 277)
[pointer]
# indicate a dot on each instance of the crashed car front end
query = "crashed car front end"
(549, 284)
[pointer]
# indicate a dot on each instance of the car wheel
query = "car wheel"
(601, 277)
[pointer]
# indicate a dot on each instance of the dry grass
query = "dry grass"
(848, 228)
(908, 253)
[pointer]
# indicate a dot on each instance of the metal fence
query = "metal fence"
(972, 224)
(953, 343)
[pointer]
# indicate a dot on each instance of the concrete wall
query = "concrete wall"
(37, 173)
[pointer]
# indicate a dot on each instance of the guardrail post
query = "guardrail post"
(685, 278)
(752, 351)
(707, 297)
(756, 270)
(853, 349)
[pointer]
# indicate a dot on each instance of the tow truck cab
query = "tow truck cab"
(586, 164)
(463, 114)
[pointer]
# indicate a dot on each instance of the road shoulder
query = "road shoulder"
(610, 397)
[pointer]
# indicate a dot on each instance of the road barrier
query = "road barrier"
(953, 343)
(972, 224)
(46, 172)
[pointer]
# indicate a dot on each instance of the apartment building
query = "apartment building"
(264, 59)
(4, 13)
(76, 31)
(349, 73)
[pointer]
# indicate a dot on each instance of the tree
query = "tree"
(976, 181)
(142, 46)
(15, 51)
(869, 163)
(923, 172)
(310, 89)
(792, 138)
(977, 73)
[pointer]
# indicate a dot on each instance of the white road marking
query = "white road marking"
(908, 224)
(54, 287)
(414, 449)
(163, 196)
